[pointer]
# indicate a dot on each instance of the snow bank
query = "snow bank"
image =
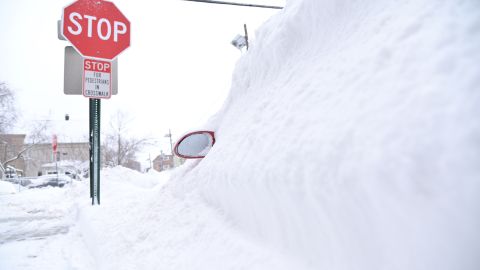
(7, 188)
(58, 228)
(350, 138)
(134, 178)
(139, 227)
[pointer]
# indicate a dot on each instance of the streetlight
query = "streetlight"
(169, 134)
(171, 147)
(241, 41)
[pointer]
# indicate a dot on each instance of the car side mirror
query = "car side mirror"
(195, 144)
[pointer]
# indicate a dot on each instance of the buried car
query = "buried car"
(52, 180)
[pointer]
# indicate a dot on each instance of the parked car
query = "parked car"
(12, 172)
(52, 180)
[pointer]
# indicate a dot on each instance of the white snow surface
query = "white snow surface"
(350, 140)
(7, 188)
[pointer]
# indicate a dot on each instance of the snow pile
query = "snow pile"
(350, 139)
(57, 228)
(7, 188)
(122, 175)
(150, 228)
(34, 230)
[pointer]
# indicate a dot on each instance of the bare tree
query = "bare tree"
(12, 149)
(39, 132)
(118, 146)
(11, 152)
(8, 117)
(8, 113)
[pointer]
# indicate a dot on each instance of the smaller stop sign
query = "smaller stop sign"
(96, 28)
(54, 143)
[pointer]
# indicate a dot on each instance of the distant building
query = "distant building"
(10, 146)
(134, 165)
(31, 161)
(42, 153)
(163, 162)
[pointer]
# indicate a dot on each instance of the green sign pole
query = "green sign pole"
(90, 139)
(95, 150)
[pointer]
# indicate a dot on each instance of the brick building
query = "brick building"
(42, 153)
(30, 162)
(10, 146)
(163, 162)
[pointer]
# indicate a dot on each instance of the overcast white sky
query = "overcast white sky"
(175, 74)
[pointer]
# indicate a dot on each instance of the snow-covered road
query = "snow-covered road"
(37, 230)
(57, 228)
(139, 225)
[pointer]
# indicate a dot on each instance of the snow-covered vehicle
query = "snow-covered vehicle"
(68, 168)
(53, 180)
(12, 172)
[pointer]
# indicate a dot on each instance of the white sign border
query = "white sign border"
(110, 80)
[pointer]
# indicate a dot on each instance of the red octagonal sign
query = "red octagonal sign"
(96, 28)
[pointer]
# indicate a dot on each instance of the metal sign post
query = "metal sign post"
(95, 150)
(93, 69)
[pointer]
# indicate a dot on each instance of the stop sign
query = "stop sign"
(96, 28)
(54, 143)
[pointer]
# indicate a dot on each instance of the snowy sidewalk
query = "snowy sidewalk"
(141, 224)
(36, 231)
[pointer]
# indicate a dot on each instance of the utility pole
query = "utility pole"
(149, 162)
(246, 34)
(169, 134)
(171, 147)
(234, 4)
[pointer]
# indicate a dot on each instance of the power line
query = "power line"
(233, 4)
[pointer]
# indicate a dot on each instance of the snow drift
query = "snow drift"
(350, 138)
(7, 188)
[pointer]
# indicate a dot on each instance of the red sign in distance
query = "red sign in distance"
(54, 143)
(96, 28)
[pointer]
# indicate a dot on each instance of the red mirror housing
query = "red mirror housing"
(195, 144)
